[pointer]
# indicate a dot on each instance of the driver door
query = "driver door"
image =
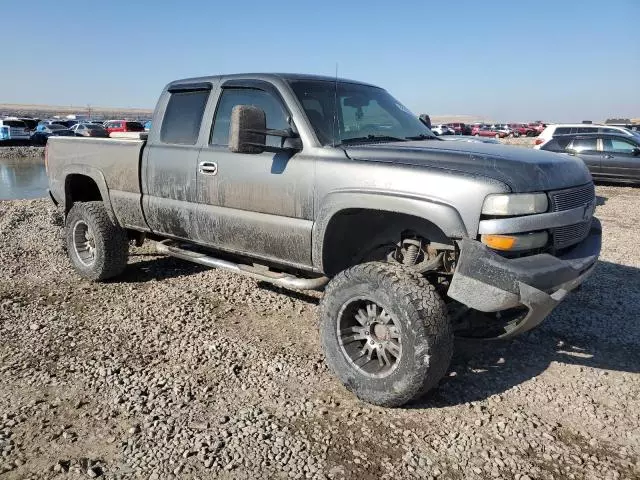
(256, 204)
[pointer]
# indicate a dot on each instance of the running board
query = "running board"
(168, 247)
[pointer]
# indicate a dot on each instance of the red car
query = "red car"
(523, 129)
(538, 127)
(487, 131)
(458, 128)
(123, 126)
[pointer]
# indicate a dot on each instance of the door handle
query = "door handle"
(208, 168)
(607, 156)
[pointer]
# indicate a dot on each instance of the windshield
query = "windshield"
(91, 126)
(346, 113)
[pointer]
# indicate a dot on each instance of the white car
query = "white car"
(11, 129)
(441, 129)
(566, 128)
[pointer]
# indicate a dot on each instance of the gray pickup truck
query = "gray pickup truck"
(320, 183)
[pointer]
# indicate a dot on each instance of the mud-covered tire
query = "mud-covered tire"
(110, 244)
(418, 313)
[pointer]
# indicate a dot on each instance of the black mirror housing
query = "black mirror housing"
(247, 131)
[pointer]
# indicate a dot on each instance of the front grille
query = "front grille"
(566, 200)
(572, 197)
(566, 236)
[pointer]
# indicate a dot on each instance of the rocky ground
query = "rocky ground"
(179, 371)
(20, 151)
(520, 141)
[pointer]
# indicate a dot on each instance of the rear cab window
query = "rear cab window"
(183, 116)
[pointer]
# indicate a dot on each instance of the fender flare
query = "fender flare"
(443, 215)
(95, 175)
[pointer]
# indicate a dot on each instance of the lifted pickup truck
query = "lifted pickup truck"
(320, 183)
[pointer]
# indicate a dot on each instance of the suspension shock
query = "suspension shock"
(410, 251)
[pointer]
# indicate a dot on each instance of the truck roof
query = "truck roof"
(268, 77)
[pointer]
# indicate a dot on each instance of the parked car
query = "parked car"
(568, 128)
(523, 129)
(488, 131)
(44, 131)
(52, 121)
(89, 130)
(538, 127)
(612, 157)
(412, 228)
(123, 126)
(477, 126)
(15, 129)
(458, 128)
(442, 129)
(31, 123)
(506, 129)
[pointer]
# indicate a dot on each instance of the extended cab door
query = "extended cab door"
(620, 158)
(258, 204)
(170, 160)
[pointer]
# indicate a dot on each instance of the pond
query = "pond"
(22, 178)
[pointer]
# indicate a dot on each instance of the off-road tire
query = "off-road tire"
(111, 243)
(420, 313)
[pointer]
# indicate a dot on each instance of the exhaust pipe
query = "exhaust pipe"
(280, 279)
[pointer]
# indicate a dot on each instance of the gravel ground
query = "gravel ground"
(520, 141)
(12, 152)
(179, 371)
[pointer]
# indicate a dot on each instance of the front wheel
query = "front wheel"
(98, 249)
(385, 333)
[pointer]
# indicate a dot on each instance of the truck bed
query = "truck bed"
(112, 163)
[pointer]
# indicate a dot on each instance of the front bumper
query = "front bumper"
(488, 282)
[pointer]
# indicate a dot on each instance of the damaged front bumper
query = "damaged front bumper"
(488, 282)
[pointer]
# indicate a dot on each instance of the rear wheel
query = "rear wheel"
(97, 248)
(385, 332)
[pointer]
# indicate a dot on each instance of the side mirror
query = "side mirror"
(636, 151)
(247, 131)
(426, 120)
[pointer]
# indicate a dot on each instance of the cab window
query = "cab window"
(274, 111)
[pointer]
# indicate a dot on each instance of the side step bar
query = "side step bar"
(168, 247)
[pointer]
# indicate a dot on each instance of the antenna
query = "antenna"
(335, 106)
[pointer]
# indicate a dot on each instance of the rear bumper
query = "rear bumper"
(488, 282)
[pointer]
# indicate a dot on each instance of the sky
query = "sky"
(564, 60)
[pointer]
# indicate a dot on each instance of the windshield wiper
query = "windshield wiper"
(422, 136)
(373, 138)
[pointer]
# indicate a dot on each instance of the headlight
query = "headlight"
(515, 243)
(515, 204)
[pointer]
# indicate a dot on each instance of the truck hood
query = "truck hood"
(522, 169)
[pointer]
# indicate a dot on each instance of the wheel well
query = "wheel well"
(354, 236)
(80, 188)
